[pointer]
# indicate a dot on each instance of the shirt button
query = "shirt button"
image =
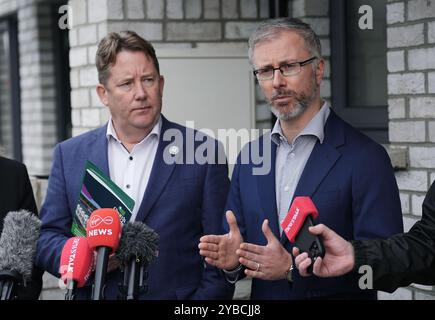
(131, 158)
(127, 186)
(292, 155)
(286, 188)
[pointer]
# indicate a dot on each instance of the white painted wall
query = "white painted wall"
(214, 89)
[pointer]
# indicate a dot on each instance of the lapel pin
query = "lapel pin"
(173, 150)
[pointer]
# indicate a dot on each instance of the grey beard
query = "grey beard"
(301, 105)
(299, 108)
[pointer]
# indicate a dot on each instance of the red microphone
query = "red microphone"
(301, 208)
(103, 231)
(76, 264)
(300, 217)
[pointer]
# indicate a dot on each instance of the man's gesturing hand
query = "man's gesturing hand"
(220, 250)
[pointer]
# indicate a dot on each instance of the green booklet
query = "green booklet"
(98, 191)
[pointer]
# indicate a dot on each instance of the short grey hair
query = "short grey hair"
(270, 29)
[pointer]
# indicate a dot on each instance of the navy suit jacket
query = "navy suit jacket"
(181, 203)
(350, 180)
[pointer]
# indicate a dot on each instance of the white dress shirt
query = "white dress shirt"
(131, 170)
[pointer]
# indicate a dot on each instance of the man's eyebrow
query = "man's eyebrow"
(288, 61)
(130, 78)
(267, 66)
(124, 79)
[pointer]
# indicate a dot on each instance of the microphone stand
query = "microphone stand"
(133, 284)
(135, 271)
(100, 273)
(70, 293)
(8, 281)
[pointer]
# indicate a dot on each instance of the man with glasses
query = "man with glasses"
(179, 200)
(314, 153)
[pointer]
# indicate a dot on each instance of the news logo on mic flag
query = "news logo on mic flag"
(104, 229)
(76, 261)
(299, 210)
(97, 192)
(103, 233)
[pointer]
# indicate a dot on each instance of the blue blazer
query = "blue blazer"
(351, 181)
(181, 203)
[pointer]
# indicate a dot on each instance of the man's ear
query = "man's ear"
(102, 94)
(161, 85)
(320, 69)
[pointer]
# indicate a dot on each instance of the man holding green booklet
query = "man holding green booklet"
(144, 154)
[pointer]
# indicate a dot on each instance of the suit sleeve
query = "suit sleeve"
(56, 219)
(375, 196)
(216, 185)
(234, 200)
(234, 204)
(404, 258)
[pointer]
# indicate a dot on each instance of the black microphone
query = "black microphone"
(137, 249)
(17, 251)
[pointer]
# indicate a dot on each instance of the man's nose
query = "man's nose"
(140, 92)
(278, 79)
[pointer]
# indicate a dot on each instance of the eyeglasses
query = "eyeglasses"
(287, 70)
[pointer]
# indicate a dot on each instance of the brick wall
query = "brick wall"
(411, 103)
(38, 113)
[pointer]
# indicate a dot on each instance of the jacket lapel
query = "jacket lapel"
(98, 150)
(322, 159)
(160, 172)
(95, 151)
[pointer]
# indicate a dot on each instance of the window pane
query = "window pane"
(366, 54)
(62, 75)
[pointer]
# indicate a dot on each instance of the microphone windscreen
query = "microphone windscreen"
(299, 210)
(76, 261)
(18, 242)
(138, 241)
(103, 229)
